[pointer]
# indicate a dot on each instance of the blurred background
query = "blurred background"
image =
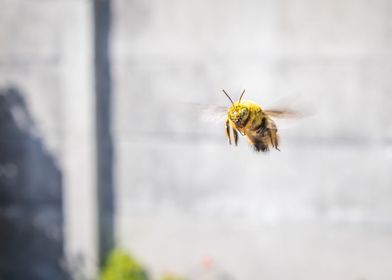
(100, 148)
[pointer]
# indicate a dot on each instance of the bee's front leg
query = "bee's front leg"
(235, 136)
(228, 131)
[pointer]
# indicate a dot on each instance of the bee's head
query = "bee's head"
(237, 113)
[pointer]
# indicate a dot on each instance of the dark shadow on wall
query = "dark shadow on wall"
(31, 213)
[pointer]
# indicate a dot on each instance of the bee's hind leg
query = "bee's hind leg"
(274, 138)
(228, 131)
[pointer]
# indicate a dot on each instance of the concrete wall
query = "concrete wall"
(319, 209)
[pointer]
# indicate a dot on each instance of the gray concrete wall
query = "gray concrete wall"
(320, 208)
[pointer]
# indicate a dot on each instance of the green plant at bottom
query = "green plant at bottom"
(171, 277)
(121, 266)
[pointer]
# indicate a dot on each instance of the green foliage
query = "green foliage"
(121, 266)
(172, 277)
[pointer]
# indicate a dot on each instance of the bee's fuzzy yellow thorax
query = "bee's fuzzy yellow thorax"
(247, 105)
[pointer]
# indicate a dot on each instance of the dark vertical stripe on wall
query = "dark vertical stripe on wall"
(102, 27)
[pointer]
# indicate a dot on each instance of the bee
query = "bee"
(250, 120)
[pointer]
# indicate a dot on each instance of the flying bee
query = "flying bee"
(250, 120)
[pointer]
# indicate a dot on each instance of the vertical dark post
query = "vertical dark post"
(102, 14)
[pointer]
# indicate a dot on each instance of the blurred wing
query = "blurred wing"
(213, 113)
(284, 113)
(290, 107)
(285, 118)
(209, 113)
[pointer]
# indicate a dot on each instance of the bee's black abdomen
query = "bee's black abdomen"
(260, 146)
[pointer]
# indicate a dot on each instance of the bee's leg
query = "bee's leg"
(235, 136)
(228, 131)
(273, 135)
(276, 140)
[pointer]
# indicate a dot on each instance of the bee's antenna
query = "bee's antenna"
(228, 97)
(242, 94)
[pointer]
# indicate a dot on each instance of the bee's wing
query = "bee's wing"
(285, 118)
(214, 113)
(209, 113)
(284, 113)
(290, 107)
